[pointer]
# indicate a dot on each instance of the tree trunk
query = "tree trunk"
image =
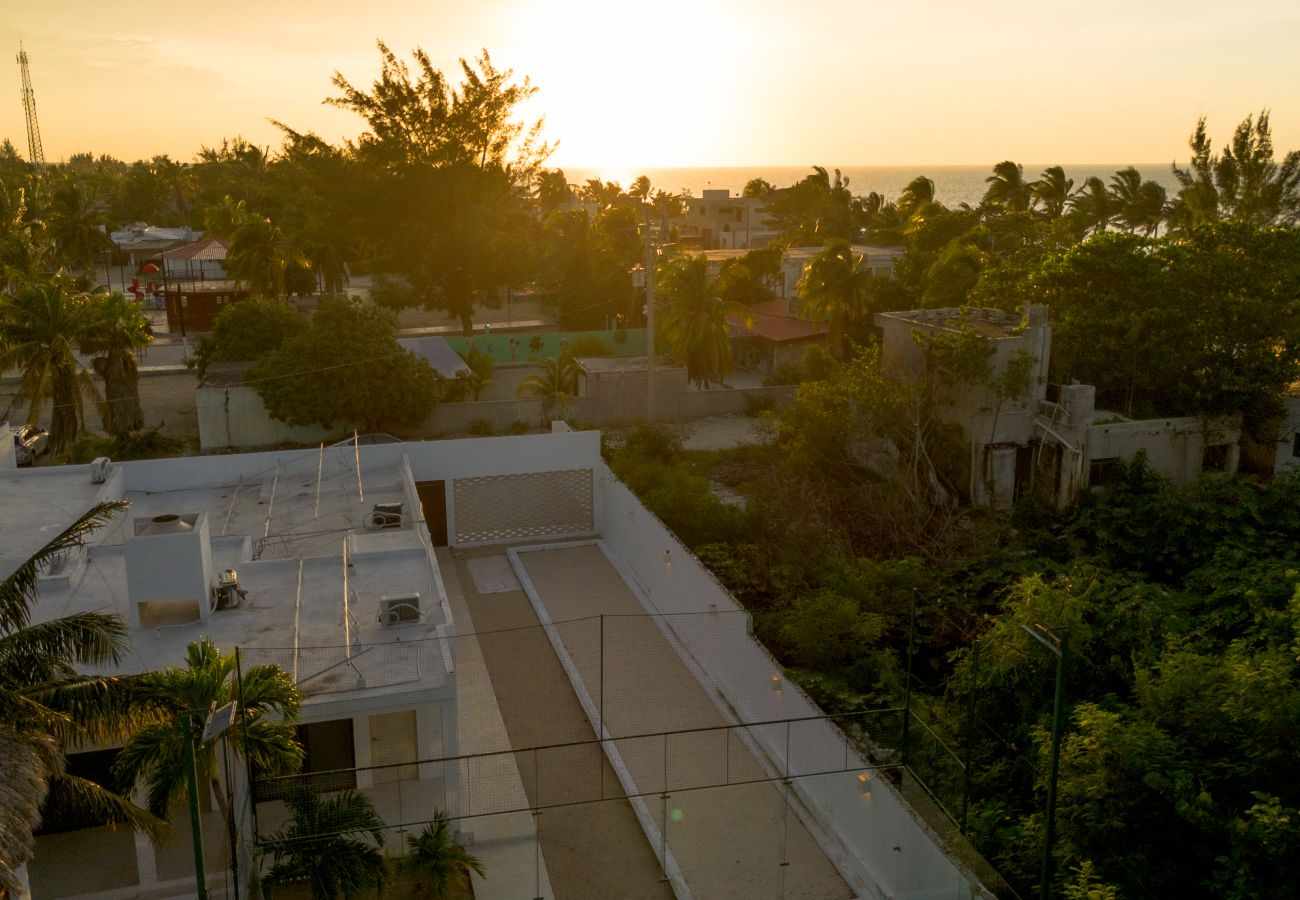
(122, 411)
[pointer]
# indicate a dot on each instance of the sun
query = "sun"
(613, 84)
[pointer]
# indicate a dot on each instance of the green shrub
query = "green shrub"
(146, 444)
(480, 428)
(519, 426)
(783, 374)
(757, 404)
(652, 442)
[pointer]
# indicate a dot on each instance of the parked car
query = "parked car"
(29, 443)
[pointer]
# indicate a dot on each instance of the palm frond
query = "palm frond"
(19, 590)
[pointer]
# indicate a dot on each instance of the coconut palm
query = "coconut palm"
(836, 289)
(333, 845)
(555, 384)
(260, 256)
(443, 865)
(552, 190)
(1053, 191)
(119, 329)
(46, 705)
(1007, 187)
(918, 194)
(694, 313)
(75, 226)
(44, 325)
(1093, 205)
(1139, 205)
(152, 757)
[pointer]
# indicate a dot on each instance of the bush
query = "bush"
(147, 444)
(519, 426)
(652, 442)
(757, 404)
(480, 428)
(783, 374)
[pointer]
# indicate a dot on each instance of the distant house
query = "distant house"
(776, 337)
(141, 243)
(717, 220)
(1060, 447)
(196, 287)
(781, 332)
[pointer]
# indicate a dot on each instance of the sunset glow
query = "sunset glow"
(628, 85)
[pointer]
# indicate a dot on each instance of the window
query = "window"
(1215, 458)
(328, 764)
(1101, 472)
(1295, 445)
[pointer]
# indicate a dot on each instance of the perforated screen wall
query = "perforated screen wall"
(536, 504)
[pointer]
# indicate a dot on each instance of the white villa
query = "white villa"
(495, 628)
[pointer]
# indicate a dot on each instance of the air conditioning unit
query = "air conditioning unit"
(385, 515)
(402, 609)
(99, 470)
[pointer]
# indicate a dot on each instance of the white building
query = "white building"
(359, 565)
(1062, 447)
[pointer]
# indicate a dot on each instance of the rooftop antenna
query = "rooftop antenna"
(35, 153)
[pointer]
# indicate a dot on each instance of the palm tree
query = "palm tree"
(556, 384)
(260, 256)
(45, 705)
(119, 329)
(1094, 205)
(552, 190)
(918, 194)
(1053, 190)
(694, 314)
(152, 756)
(332, 845)
(74, 226)
(1007, 187)
(1139, 205)
(437, 857)
(835, 288)
(45, 324)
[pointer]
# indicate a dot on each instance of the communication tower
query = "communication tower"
(35, 154)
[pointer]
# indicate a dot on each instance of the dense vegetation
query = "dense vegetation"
(1183, 682)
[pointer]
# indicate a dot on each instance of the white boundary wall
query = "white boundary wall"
(879, 834)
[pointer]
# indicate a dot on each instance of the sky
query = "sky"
(693, 83)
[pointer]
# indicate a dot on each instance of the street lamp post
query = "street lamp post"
(649, 324)
(1057, 644)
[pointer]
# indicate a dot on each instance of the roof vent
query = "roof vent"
(402, 609)
(168, 523)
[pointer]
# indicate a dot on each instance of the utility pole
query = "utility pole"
(649, 322)
(35, 153)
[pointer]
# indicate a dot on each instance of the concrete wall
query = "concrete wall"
(236, 417)
(7, 458)
(1175, 448)
(877, 833)
(1288, 444)
(428, 460)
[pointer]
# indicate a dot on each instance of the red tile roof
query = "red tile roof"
(773, 322)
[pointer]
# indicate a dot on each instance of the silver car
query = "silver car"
(29, 443)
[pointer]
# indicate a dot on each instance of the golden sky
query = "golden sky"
(663, 83)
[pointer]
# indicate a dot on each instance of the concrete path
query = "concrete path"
(739, 841)
(594, 849)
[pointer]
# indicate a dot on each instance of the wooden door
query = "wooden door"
(433, 504)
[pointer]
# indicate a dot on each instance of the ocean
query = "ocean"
(952, 184)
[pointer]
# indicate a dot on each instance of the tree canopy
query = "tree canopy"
(346, 367)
